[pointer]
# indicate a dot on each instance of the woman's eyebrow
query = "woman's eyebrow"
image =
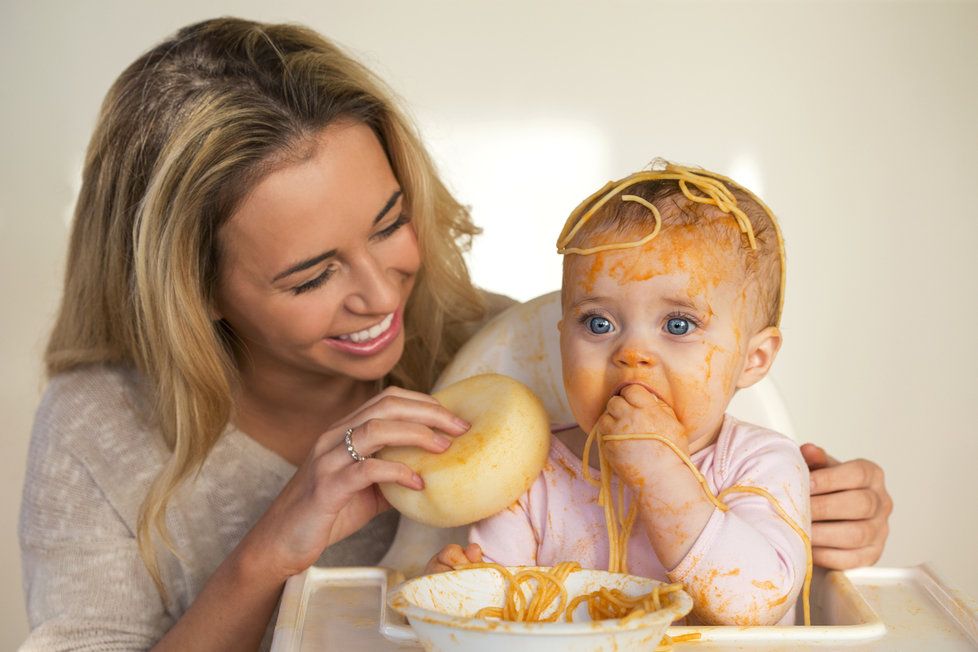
(390, 204)
(315, 260)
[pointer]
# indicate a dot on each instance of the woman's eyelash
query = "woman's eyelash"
(314, 283)
(388, 231)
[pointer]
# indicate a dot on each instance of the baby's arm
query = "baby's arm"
(744, 566)
(748, 566)
(508, 538)
(672, 507)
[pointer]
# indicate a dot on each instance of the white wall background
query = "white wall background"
(858, 123)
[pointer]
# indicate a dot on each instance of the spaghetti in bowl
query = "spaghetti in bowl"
(442, 610)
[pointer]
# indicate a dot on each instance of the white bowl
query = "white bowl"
(439, 608)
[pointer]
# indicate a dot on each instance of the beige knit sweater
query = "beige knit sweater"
(90, 464)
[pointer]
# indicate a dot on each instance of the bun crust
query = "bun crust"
(486, 469)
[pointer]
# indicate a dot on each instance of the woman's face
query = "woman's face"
(318, 261)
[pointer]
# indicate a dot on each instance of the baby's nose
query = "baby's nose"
(634, 357)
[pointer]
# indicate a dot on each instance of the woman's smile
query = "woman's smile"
(369, 340)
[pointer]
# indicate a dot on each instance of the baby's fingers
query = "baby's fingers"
(452, 555)
(638, 396)
(473, 553)
(435, 566)
(446, 559)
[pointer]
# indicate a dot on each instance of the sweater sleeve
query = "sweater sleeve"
(508, 538)
(748, 565)
(85, 584)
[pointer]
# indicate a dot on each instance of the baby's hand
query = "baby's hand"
(453, 555)
(638, 411)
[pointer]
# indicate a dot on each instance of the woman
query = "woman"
(261, 246)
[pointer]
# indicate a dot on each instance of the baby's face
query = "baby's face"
(670, 315)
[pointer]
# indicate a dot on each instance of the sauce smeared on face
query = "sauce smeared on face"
(670, 315)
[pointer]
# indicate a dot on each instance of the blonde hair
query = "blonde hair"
(762, 264)
(183, 134)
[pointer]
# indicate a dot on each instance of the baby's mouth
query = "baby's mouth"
(622, 386)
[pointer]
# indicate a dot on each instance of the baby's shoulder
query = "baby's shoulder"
(741, 442)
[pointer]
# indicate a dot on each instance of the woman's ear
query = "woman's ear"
(762, 349)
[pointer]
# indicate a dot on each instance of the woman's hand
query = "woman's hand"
(453, 555)
(331, 495)
(850, 508)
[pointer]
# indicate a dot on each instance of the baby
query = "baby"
(671, 297)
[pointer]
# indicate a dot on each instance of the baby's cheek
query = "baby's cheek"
(586, 395)
(702, 392)
(691, 400)
(721, 370)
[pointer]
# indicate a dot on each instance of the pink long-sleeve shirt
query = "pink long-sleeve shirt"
(746, 567)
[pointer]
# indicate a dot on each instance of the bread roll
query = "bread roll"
(486, 469)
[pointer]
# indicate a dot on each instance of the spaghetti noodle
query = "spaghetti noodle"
(715, 192)
(619, 528)
(602, 604)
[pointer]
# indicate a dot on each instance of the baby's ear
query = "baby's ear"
(762, 349)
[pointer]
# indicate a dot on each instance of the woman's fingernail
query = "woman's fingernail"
(442, 442)
(418, 482)
(462, 423)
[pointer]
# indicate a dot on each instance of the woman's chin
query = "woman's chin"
(368, 367)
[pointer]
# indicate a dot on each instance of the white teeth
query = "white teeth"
(369, 333)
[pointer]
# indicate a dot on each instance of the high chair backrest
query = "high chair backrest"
(523, 342)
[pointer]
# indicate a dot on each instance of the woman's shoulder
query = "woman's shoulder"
(93, 382)
(91, 440)
(96, 410)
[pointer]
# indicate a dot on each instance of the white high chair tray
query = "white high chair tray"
(868, 609)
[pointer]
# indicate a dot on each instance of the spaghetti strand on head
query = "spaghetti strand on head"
(715, 191)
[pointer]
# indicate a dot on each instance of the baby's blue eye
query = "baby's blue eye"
(680, 326)
(599, 325)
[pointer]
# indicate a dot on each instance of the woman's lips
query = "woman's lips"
(371, 346)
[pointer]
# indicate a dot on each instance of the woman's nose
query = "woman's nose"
(377, 289)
